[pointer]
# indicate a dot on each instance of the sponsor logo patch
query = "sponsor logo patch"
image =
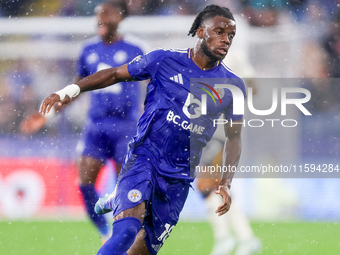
(134, 195)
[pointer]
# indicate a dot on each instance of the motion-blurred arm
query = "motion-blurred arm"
(231, 157)
(32, 123)
(95, 81)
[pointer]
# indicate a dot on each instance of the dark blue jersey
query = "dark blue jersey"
(175, 126)
(117, 101)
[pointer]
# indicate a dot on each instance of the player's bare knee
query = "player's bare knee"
(138, 212)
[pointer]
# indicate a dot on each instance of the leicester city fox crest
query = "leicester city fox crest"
(134, 195)
(220, 92)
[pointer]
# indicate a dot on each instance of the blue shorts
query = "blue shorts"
(105, 139)
(165, 197)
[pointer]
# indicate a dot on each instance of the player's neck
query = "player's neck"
(202, 60)
(111, 38)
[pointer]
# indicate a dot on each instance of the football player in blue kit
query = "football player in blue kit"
(113, 112)
(158, 169)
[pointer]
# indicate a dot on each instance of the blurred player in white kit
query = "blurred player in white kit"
(232, 230)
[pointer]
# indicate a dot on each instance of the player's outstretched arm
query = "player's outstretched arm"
(95, 81)
(231, 157)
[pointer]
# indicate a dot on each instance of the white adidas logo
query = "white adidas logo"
(177, 78)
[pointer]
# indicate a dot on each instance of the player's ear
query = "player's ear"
(200, 32)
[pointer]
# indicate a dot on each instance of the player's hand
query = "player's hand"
(51, 100)
(226, 199)
(32, 123)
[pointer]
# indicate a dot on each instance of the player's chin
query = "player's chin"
(220, 55)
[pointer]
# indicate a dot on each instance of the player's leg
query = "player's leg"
(168, 199)
(139, 246)
(232, 229)
(109, 143)
(95, 149)
(127, 224)
(248, 243)
(88, 172)
(141, 183)
(224, 241)
(133, 194)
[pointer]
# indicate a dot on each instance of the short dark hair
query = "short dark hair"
(209, 12)
(119, 4)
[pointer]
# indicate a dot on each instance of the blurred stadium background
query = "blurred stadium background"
(39, 44)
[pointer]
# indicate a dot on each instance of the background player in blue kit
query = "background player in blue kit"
(155, 179)
(113, 112)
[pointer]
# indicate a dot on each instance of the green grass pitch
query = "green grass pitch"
(78, 238)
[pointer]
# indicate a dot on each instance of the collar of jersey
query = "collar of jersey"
(120, 40)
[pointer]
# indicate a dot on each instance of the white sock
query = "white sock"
(239, 223)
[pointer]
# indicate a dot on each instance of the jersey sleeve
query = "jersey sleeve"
(145, 66)
(228, 111)
(81, 66)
